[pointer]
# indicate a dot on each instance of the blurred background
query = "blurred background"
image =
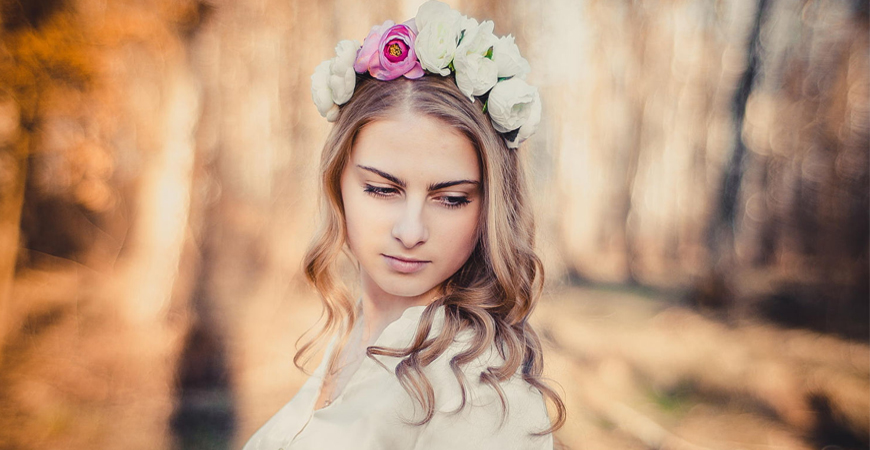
(700, 180)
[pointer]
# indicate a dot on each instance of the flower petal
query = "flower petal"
(415, 72)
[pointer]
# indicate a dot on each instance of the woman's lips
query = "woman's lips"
(404, 266)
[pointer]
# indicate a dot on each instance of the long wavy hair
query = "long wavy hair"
(492, 294)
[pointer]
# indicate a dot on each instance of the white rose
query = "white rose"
(432, 11)
(507, 56)
(475, 73)
(531, 124)
(468, 23)
(478, 38)
(321, 93)
(440, 28)
(510, 104)
(342, 79)
(332, 114)
(333, 81)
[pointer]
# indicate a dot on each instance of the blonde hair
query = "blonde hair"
(492, 294)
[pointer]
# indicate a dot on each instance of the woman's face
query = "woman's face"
(412, 199)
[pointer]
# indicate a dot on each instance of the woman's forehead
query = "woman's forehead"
(418, 146)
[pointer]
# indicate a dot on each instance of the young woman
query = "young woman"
(424, 192)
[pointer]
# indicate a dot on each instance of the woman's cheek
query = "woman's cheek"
(461, 233)
(354, 217)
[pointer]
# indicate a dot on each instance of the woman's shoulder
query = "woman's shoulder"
(489, 419)
(448, 392)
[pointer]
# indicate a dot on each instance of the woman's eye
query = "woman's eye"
(378, 191)
(449, 201)
(452, 201)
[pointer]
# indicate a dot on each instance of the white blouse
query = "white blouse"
(368, 413)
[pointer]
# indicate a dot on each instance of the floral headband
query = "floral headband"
(440, 41)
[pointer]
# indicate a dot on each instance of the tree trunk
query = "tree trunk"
(720, 235)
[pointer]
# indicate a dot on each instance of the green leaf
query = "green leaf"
(489, 53)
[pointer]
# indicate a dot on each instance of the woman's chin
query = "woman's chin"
(406, 289)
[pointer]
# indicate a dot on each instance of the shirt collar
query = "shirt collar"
(400, 333)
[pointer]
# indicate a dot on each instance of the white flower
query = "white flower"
(507, 56)
(511, 105)
(333, 80)
(321, 93)
(434, 11)
(476, 74)
(439, 31)
(531, 125)
(478, 38)
(342, 79)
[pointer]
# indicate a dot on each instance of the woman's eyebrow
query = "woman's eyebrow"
(400, 182)
(446, 184)
(383, 174)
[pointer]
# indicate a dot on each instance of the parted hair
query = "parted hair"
(492, 294)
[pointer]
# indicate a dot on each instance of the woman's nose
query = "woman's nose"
(410, 228)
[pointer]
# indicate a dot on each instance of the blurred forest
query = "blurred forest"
(700, 177)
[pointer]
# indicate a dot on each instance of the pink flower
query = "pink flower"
(370, 47)
(388, 52)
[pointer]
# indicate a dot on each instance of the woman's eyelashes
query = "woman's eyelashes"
(449, 201)
(452, 201)
(378, 191)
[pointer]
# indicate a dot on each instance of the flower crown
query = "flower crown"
(440, 41)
